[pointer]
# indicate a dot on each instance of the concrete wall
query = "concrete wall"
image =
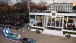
(54, 32)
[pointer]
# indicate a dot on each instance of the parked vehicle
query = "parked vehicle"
(28, 40)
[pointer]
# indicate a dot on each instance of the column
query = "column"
(55, 21)
(51, 20)
(74, 20)
(67, 21)
(59, 21)
(44, 20)
(29, 18)
(36, 20)
(63, 22)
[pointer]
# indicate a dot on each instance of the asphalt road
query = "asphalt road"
(41, 38)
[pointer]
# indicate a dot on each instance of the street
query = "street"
(40, 38)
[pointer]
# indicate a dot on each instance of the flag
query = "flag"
(28, 5)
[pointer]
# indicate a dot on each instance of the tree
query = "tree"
(41, 8)
(74, 7)
(20, 8)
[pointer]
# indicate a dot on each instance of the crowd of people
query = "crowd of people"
(70, 24)
(13, 21)
(70, 27)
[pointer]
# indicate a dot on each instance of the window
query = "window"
(64, 9)
(54, 23)
(56, 9)
(66, 6)
(68, 9)
(39, 20)
(61, 9)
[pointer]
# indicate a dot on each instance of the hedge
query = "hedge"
(69, 32)
(32, 16)
(37, 28)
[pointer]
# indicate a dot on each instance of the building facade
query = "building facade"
(60, 7)
(53, 23)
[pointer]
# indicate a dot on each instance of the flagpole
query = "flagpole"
(28, 5)
(28, 9)
(28, 2)
(29, 12)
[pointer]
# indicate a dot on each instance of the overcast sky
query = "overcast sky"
(50, 1)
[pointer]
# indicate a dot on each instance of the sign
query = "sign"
(53, 14)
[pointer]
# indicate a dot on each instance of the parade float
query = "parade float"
(11, 35)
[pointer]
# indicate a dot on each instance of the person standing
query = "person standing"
(67, 35)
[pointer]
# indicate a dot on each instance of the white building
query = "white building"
(60, 7)
(54, 23)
